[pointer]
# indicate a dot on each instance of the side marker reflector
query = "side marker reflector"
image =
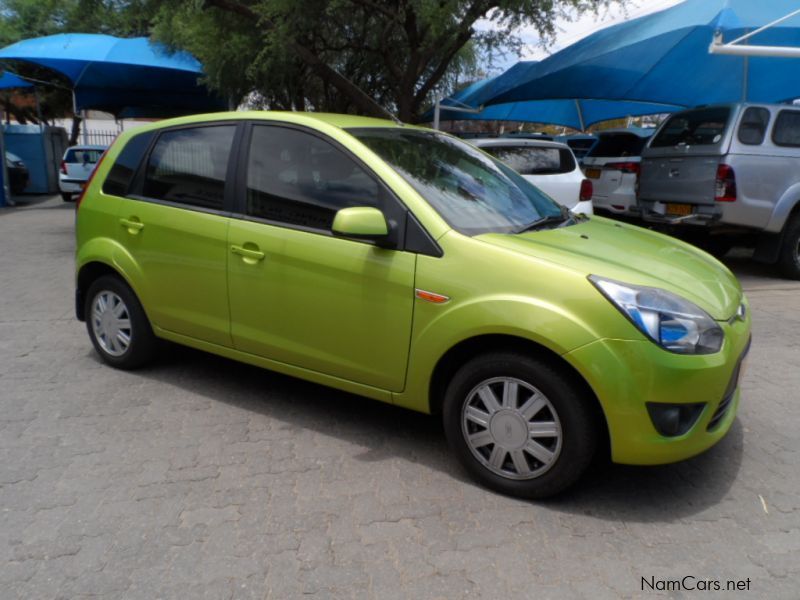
(431, 296)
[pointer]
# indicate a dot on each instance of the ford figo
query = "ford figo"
(404, 265)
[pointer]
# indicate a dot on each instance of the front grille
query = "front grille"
(730, 392)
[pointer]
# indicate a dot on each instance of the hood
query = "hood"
(634, 255)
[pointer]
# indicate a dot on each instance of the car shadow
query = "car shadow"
(607, 491)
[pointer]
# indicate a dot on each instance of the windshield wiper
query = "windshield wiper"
(539, 223)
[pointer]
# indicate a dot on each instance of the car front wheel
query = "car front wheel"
(518, 425)
(117, 324)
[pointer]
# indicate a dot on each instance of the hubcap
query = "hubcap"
(111, 323)
(511, 428)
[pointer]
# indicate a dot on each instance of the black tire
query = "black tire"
(789, 259)
(718, 248)
(66, 197)
(143, 344)
(574, 411)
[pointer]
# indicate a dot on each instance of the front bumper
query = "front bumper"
(625, 375)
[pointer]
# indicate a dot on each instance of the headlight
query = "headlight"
(670, 321)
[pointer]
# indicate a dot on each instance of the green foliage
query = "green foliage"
(334, 55)
(401, 53)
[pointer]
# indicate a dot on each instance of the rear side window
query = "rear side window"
(299, 179)
(787, 129)
(753, 127)
(702, 127)
(614, 145)
(83, 156)
(189, 166)
(119, 178)
(530, 160)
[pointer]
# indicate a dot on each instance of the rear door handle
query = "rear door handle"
(248, 253)
(132, 225)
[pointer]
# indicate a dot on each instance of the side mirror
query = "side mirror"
(361, 222)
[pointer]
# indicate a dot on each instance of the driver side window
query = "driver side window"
(299, 179)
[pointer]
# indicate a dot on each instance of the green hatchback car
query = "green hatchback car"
(405, 265)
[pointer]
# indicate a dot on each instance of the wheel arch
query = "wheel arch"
(88, 274)
(466, 349)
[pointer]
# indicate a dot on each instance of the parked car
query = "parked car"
(579, 143)
(613, 166)
(731, 173)
(550, 166)
(76, 167)
(528, 135)
(17, 173)
(405, 265)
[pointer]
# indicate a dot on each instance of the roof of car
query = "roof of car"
(516, 142)
(336, 120)
(87, 147)
(637, 131)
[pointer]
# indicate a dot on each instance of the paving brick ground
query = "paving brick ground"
(203, 478)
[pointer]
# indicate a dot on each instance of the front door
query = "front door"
(300, 295)
(176, 229)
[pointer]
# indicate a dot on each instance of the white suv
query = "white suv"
(550, 166)
(76, 167)
(614, 165)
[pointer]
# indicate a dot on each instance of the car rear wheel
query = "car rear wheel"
(518, 425)
(117, 324)
(789, 260)
(66, 197)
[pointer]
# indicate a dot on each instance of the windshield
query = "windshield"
(614, 145)
(83, 155)
(702, 127)
(534, 160)
(473, 193)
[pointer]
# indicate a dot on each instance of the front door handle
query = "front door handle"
(248, 253)
(133, 225)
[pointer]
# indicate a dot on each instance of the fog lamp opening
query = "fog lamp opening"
(673, 420)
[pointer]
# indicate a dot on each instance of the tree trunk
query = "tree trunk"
(76, 130)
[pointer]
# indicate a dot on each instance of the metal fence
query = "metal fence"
(97, 137)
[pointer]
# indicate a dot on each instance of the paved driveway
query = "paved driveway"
(203, 478)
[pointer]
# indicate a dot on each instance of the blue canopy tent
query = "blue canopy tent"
(664, 58)
(7, 81)
(578, 114)
(125, 77)
(11, 81)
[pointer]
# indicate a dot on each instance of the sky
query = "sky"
(569, 32)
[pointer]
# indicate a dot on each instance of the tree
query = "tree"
(348, 55)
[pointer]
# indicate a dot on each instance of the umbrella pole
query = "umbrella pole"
(580, 115)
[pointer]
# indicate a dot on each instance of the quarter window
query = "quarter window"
(754, 126)
(188, 166)
(121, 174)
(299, 179)
(787, 129)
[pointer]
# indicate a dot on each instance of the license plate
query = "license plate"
(593, 173)
(680, 210)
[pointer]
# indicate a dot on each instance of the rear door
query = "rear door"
(174, 223)
(680, 164)
(612, 164)
(80, 163)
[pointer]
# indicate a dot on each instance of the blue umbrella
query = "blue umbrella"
(130, 77)
(577, 114)
(664, 58)
(9, 81)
